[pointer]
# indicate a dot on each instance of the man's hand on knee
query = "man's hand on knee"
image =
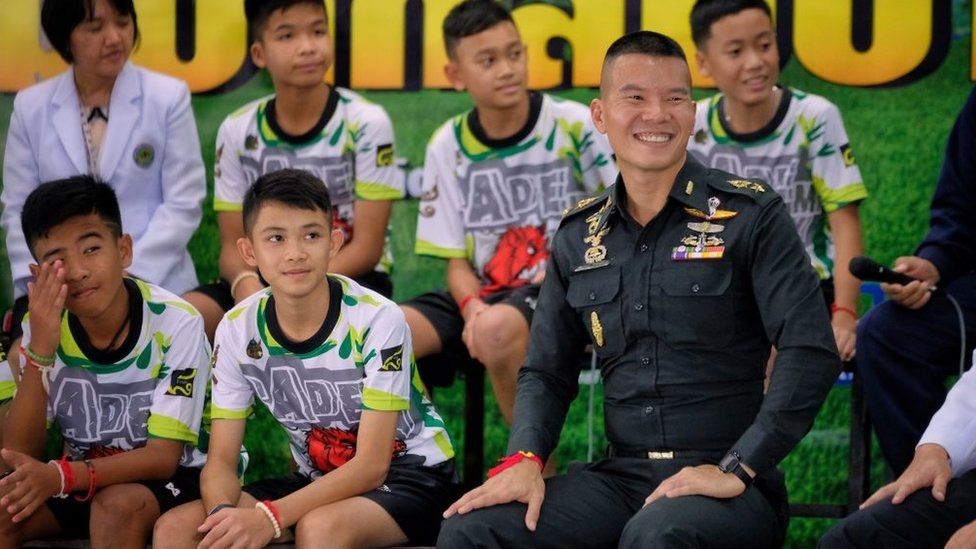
(703, 480)
(521, 482)
(930, 467)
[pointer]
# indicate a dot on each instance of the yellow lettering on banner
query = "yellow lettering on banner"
(378, 43)
(591, 30)
(901, 37)
(21, 33)
(673, 18)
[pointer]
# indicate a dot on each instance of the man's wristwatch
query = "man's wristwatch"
(731, 464)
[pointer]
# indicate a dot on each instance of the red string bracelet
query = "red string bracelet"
(514, 459)
(92, 482)
(835, 307)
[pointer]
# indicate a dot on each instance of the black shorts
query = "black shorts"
(183, 487)
(13, 325)
(219, 291)
(443, 313)
(414, 495)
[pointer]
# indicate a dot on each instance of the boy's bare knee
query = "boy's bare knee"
(318, 526)
(500, 332)
(178, 526)
(116, 507)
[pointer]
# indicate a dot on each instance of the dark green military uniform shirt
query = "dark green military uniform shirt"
(682, 314)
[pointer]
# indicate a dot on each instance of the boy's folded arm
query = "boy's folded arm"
(218, 481)
(364, 472)
(157, 460)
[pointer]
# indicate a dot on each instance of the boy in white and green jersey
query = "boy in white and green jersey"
(333, 133)
(119, 365)
(793, 140)
(332, 362)
(497, 180)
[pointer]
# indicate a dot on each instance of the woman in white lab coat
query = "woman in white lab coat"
(129, 127)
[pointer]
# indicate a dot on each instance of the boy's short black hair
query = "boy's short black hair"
(644, 42)
(296, 188)
(55, 202)
(471, 17)
(707, 12)
(258, 12)
(60, 17)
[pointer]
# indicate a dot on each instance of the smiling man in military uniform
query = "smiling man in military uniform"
(681, 278)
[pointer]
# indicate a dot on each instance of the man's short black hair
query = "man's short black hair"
(55, 202)
(707, 12)
(296, 188)
(471, 17)
(258, 12)
(644, 42)
(60, 17)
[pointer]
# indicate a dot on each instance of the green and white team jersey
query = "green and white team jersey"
(7, 385)
(350, 149)
(498, 203)
(360, 359)
(153, 386)
(803, 153)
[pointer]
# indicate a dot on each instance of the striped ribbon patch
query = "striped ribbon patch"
(683, 253)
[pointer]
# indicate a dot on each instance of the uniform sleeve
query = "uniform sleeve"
(231, 395)
(549, 380)
(184, 186)
(790, 303)
(387, 361)
(596, 160)
(954, 426)
(20, 177)
(836, 177)
(230, 182)
(440, 228)
(177, 403)
(377, 176)
(951, 242)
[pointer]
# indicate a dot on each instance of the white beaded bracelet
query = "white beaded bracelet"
(61, 493)
(274, 522)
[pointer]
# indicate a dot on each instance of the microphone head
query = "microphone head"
(865, 268)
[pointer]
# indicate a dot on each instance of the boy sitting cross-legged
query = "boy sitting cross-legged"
(120, 365)
(332, 362)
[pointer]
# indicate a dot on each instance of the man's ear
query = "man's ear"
(336, 240)
(596, 113)
(246, 249)
(125, 250)
(453, 73)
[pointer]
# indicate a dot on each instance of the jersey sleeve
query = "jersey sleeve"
(177, 403)
(440, 228)
(596, 159)
(387, 361)
(231, 395)
(377, 176)
(230, 183)
(836, 177)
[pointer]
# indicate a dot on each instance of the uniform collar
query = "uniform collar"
(689, 189)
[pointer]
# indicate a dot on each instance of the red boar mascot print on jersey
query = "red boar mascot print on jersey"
(520, 255)
(333, 447)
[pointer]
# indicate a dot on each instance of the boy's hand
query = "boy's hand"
(31, 484)
(845, 334)
(46, 296)
(521, 482)
(964, 537)
(930, 467)
(248, 528)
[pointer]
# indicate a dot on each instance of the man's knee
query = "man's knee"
(460, 531)
(652, 533)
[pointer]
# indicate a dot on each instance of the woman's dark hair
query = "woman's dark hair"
(60, 17)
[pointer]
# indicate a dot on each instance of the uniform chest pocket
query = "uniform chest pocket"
(698, 304)
(595, 295)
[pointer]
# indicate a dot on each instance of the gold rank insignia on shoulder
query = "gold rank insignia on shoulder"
(751, 185)
(597, 328)
(581, 204)
(689, 188)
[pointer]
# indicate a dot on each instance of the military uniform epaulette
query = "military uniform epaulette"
(586, 204)
(752, 188)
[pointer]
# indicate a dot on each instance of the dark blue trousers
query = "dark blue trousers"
(903, 359)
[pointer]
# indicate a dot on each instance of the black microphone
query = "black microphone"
(870, 270)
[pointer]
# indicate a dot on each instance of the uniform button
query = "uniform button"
(696, 287)
(638, 306)
(643, 247)
(645, 361)
(649, 409)
(592, 296)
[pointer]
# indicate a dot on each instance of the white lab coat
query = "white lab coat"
(954, 426)
(160, 200)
